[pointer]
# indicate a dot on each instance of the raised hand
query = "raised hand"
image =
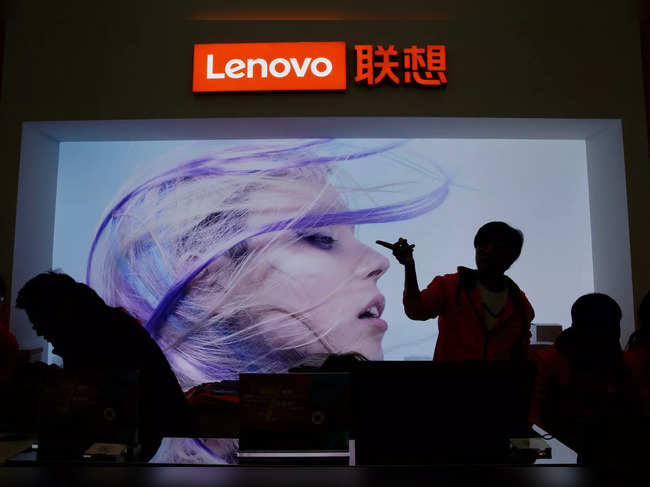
(402, 250)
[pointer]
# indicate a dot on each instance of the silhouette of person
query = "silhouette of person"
(8, 359)
(88, 334)
(583, 385)
(482, 314)
(8, 343)
(637, 352)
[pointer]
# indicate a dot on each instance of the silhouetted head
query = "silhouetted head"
(597, 317)
(498, 246)
(58, 307)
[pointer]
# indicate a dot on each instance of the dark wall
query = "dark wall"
(79, 60)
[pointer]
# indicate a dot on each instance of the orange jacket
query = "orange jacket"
(562, 394)
(462, 335)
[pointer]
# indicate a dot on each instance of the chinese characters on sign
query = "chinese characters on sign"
(424, 66)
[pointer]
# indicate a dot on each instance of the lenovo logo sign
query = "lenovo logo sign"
(273, 66)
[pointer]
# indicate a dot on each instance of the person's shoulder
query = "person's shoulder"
(522, 297)
(122, 314)
(637, 349)
(454, 277)
(130, 332)
(126, 321)
(635, 359)
(530, 311)
(463, 275)
(553, 361)
(444, 281)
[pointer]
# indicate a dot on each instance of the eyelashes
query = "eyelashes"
(318, 240)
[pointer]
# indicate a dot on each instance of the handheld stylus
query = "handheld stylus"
(384, 244)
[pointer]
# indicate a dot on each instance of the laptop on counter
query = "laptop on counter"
(294, 418)
(439, 412)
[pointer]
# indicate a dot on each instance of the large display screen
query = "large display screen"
(249, 255)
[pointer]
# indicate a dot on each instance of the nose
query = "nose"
(373, 265)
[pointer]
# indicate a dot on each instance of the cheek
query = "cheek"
(287, 280)
(297, 265)
(307, 271)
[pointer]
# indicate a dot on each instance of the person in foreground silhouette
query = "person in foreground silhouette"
(482, 314)
(8, 343)
(8, 360)
(90, 335)
(637, 352)
(585, 394)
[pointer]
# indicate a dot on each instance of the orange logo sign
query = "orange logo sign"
(272, 66)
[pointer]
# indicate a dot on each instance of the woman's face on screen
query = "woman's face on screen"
(320, 284)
